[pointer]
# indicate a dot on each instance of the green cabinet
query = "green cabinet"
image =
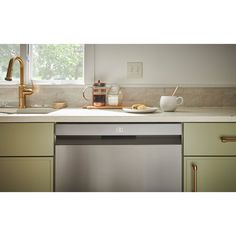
(205, 139)
(210, 157)
(210, 174)
(26, 174)
(26, 139)
(26, 157)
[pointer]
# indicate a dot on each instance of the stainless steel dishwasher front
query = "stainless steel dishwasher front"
(118, 158)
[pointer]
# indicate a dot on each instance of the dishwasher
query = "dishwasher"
(118, 157)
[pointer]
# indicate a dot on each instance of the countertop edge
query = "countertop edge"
(77, 115)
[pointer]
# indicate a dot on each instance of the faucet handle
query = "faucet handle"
(32, 85)
(28, 90)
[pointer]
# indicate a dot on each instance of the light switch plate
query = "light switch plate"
(134, 70)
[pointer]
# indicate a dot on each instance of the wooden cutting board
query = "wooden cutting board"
(103, 107)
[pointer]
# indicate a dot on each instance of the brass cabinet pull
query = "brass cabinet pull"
(225, 139)
(194, 166)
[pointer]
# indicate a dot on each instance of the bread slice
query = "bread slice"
(138, 107)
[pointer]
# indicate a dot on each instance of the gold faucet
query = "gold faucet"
(23, 91)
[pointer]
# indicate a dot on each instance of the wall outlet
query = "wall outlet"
(134, 70)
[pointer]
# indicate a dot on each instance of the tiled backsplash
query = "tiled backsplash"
(193, 97)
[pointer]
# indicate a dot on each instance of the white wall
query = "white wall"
(187, 65)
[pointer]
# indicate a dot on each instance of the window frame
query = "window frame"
(26, 54)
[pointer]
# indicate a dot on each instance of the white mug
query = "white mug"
(169, 103)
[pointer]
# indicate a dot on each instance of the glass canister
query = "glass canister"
(114, 96)
(99, 91)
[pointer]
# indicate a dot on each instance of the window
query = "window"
(6, 52)
(46, 63)
(57, 62)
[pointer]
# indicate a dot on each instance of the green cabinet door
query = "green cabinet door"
(26, 139)
(211, 174)
(26, 174)
(204, 139)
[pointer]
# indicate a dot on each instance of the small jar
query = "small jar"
(114, 96)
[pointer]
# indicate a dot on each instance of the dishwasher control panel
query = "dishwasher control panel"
(118, 129)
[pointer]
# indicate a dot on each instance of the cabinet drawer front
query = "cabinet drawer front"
(205, 139)
(26, 174)
(26, 139)
(213, 174)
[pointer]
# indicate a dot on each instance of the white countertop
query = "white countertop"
(183, 114)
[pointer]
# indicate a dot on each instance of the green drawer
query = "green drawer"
(205, 139)
(213, 174)
(26, 174)
(26, 139)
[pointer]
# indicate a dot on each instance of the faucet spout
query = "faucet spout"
(9, 70)
(23, 91)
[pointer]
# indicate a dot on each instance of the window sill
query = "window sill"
(45, 85)
(38, 84)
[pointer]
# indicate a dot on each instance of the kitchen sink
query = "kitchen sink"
(41, 110)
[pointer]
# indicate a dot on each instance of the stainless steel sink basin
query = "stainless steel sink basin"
(41, 110)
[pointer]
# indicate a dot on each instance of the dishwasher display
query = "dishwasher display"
(118, 158)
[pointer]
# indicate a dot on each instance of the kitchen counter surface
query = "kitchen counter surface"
(183, 114)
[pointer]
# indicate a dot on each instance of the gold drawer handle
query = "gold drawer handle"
(194, 166)
(225, 139)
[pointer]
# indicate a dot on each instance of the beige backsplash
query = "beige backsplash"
(193, 97)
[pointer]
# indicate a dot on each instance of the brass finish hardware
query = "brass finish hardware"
(225, 139)
(23, 90)
(194, 166)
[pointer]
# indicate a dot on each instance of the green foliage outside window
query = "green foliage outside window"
(58, 61)
(48, 62)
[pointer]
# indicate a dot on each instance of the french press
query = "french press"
(99, 92)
